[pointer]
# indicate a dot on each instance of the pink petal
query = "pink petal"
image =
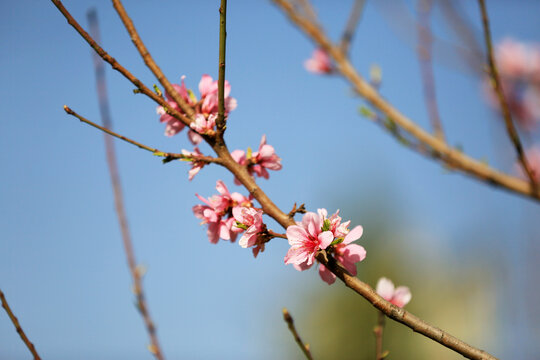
(326, 275)
(402, 296)
(205, 85)
(296, 256)
(213, 232)
(354, 253)
(221, 188)
(385, 288)
(353, 235)
(296, 235)
(325, 239)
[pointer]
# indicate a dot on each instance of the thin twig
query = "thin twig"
(352, 24)
(451, 156)
(112, 163)
(378, 332)
(308, 10)
(425, 44)
(149, 61)
(166, 155)
(18, 327)
(220, 121)
(116, 66)
(275, 234)
(496, 82)
(290, 323)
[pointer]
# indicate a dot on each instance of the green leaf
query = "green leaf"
(366, 112)
(192, 96)
(326, 225)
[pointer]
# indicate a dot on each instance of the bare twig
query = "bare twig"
(425, 43)
(18, 327)
(352, 24)
(166, 155)
(149, 61)
(308, 10)
(451, 156)
(112, 163)
(378, 332)
(116, 66)
(220, 121)
(496, 82)
(290, 323)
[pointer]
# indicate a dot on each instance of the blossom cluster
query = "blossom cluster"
(317, 232)
(228, 214)
(519, 69)
(258, 162)
(319, 63)
(206, 108)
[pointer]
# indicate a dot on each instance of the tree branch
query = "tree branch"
(18, 327)
(220, 121)
(352, 24)
(496, 82)
(116, 66)
(451, 156)
(425, 42)
(149, 61)
(166, 155)
(290, 323)
(378, 332)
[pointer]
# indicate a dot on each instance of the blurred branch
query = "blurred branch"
(496, 82)
(18, 327)
(352, 24)
(449, 155)
(116, 66)
(307, 9)
(378, 332)
(425, 42)
(149, 61)
(290, 323)
(112, 163)
(220, 121)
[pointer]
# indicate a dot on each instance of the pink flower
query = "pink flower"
(259, 161)
(196, 165)
(204, 125)
(319, 63)
(250, 221)
(207, 106)
(306, 239)
(317, 232)
(217, 212)
(399, 297)
(533, 159)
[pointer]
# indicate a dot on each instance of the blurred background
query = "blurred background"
(468, 252)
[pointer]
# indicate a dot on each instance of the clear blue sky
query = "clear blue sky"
(62, 265)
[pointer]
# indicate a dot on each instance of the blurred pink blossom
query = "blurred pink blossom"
(319, 63)
(398, 296)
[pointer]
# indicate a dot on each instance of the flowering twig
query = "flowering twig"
(451, 156)
(426, 66)
(290, 323)
(378, 332)
(116, 66)
(149, 61)
(18, 327)
(496, 82)
(167, 156)
(220, 121)
(112, 163)
(352, 24)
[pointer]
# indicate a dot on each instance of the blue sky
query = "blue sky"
(62, 266)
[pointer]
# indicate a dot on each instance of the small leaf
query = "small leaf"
(158, 91)
(366, 112)
(241, 226)
(192, 96)
(326, 225)
(249, 153)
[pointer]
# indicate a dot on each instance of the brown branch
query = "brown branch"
(400, 315)
(290, 323)
(352, 24)
(166, 155)
(308, 10)
(116, 66)
(378, 332)
(112, 163)
(220, 121)
(275, 234)
(149, 61)
(425, 44)
(18, 327)
(496, 82)
(451, 156)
